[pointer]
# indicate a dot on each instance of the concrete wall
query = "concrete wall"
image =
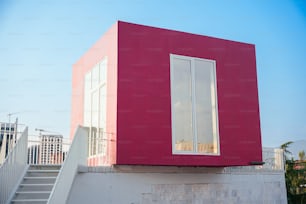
(171, 185)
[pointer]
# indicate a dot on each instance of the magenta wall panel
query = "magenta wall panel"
(144, 101)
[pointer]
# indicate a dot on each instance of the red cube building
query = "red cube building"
(154, 96)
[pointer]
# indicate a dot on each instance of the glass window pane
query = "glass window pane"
(95, 109)
(194, 105)
(103, 71)
(205, 106)
(182, 104)
(93, 141)
(95, 77)
(87, 99)
(102, 119)
(101, 149)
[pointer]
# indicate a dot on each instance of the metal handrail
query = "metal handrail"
(47, 152)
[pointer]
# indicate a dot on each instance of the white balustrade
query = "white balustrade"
(77, 156)
(272, 158)
(13, 168)
(51, 150)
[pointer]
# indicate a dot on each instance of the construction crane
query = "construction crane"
(10, 114)
(47, 131)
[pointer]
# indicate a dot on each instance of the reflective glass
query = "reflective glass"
(103, 71)
(102, 111)
(194, 105)
(87, 100)
(204, 86)
(95, 77)
(95, 109)
(182, 105)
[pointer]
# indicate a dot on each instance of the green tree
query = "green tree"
(295, 176)
(302, 155)
(285, 147)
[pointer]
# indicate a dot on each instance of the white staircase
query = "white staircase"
(37, 184)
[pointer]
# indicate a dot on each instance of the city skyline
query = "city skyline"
(38, 49)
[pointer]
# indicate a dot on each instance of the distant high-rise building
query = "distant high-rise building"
(33, 153)
(8, 138)
(51, 149)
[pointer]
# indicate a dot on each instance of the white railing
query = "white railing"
(41, 151)
(13, 168)
(273, 158)
(77, 156)
(273, 162)
(97, 147)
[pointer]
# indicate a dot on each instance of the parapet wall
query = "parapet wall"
(168, 185)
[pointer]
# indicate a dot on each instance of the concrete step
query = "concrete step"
(21, 195)
(45, 167)
(39, 180)
(41, 173)
(43, 170)
(40, 177)
(36, 187)
(30, 201)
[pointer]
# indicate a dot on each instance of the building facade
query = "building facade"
(154, 96)
(47, 149)
(51, 149)
(8, 138)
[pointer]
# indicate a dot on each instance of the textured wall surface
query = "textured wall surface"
(177, 186)
(144, 132)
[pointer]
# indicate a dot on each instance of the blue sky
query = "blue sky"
(40, 40)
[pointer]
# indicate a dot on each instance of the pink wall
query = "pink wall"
(144, 103)
(104, 47)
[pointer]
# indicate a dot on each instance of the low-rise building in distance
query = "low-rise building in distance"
(8, 138)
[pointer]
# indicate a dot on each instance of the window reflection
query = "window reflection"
(182, 105)
(194, 110)
(95, 107)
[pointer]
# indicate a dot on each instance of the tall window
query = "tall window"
(194, 106)
(95, 107)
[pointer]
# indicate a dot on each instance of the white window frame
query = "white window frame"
(194, 119)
